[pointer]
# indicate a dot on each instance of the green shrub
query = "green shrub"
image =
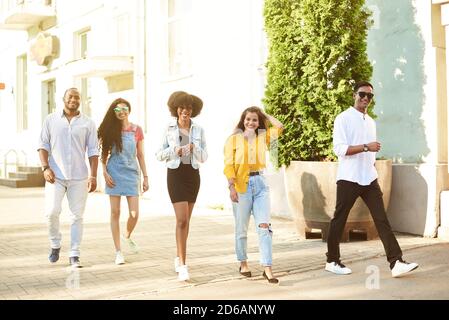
(317, 50)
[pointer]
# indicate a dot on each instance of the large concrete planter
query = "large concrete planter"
(311, 193)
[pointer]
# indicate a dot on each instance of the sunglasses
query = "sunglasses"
(365, 94)
(119, 109)
(188, 108)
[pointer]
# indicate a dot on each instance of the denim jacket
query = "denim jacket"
(171, 141)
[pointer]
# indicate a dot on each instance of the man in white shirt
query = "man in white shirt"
(355, 144)
(65, 138)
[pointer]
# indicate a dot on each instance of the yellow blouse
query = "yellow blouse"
(242, 156)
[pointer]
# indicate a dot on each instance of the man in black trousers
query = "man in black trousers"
(355, 144)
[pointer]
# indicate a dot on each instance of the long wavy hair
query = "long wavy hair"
(262, 120)
(110, 130)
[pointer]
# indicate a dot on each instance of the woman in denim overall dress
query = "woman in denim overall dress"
(121, 148)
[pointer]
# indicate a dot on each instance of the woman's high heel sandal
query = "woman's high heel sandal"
(245, 273)
(272, 280)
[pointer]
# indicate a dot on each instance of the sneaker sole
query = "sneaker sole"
(187, 279)
(406, 272)
(339, 274)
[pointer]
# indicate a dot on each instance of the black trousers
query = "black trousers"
(347, 194)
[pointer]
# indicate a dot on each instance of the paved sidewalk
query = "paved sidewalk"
(25, 272)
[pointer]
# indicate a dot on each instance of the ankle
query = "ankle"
(268, 270)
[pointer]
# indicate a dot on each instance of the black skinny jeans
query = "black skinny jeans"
(347, 194)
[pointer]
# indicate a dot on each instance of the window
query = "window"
(22, 93)
(124, 35)
(81, 44)
(86, 97)
(49, 96)
(178, 32)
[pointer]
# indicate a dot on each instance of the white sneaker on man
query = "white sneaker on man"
(337, 268)
(119, 258)
(177, 264)
(183, 273)
(402, 267)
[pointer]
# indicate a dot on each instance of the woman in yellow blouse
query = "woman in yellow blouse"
(244, 163)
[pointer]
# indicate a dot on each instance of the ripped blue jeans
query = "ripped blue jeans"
(256, 201)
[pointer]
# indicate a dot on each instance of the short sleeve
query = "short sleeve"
(139, 134)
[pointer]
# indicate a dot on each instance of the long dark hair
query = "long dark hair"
(110, 130)
(262, 120)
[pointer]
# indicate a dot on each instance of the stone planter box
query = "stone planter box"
(311, 193)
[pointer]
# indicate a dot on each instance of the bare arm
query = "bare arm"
(92, 181)
(372, 147)
(49, 175)
(143, 167)
(232, 192)
(107, 177)
(275, 122)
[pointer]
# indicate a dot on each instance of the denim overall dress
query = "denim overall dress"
(123, 167)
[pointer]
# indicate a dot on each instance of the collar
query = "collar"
(76, 116)
(358, 113)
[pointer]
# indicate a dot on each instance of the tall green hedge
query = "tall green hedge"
(317, 50)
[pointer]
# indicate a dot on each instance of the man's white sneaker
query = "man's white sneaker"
(337, 268)
(119, 258)
(177, 264)
(402, 267)
(183, 273)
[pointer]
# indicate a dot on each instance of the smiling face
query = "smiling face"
(184, 113)
(363, 97)
(251, 122)
(121, 111)
(72, 100)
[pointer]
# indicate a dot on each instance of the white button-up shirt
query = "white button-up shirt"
(352, 127)
(67, 144)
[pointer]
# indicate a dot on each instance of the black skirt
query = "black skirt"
(183, 183)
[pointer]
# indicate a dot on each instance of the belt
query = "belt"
(254, 173)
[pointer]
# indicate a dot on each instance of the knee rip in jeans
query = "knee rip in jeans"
(266, 226)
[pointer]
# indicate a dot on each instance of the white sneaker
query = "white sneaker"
(402, 267)
(119, 258)
(131, 244)
(337, 268)
(183, 273)
(177, 264)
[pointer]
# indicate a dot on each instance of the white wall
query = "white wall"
(228, 52)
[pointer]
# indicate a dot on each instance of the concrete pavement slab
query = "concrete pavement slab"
(25, 272)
